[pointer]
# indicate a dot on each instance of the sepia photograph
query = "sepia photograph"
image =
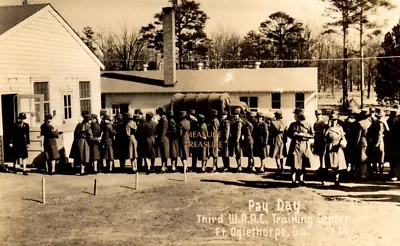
(200, 122)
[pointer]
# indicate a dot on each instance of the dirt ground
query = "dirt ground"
(166, 211)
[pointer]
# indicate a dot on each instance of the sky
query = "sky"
(238, 15)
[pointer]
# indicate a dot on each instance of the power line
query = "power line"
(270, 60)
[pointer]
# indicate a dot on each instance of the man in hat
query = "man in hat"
(95, 150)
(184, 138)
(248, 141)
(362, 143)
(236, 135)
(225, 134)
(390, 151)
(50, 144)
(194, 132)
(319, 138)
(203, 144)
(299, 155)
(131, 145)
(149, 135)
(260, 136)
(172, 134)
(378, 129)
(162, 140)
(214, 141)
(279, 139)
(108, 135)
(82, 138)
(20, 141)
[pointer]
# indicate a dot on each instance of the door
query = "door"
(9, 112)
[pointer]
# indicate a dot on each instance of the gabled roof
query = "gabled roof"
(13, 16)
(213, 80)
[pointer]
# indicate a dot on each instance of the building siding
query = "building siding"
(44, 51)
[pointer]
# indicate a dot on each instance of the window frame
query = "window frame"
(248, 99)
(46, 98)
(297, 101)
(67, 108)
(275, 101)
(85, 96)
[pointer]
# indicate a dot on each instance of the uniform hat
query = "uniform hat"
(364, 112)
(192, 112)
(393, 113)
(377, 110)
(201, 117)
(318, 112)
(253, 114)
(48, 117)
(183, 114)
(169, 113)
(334, 115)
(278, 112)
(381, 113)
(106, 117)
(94, 116)
(224, 112)
(138, 111)
(103, 112)
(335, 112)
(85, 113)
(237, 111)
(128, 116)
(214, 112)
(298, 111)
(260, 115)
(161, 110)
(149, 114)
(22, 116)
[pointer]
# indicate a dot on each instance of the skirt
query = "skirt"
(184, 152)
(95, 151)
(108, 153)
(132, 148)
(174, 148)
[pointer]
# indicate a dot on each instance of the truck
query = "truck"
(203, 103)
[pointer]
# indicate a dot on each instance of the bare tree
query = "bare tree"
(224, 48)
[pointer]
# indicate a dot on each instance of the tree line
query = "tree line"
(279, 41)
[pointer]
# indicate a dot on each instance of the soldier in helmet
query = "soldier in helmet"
(214, 133)
(184, 138)
(162, 141)
(20, 141)
(225, 134)
(203, 144)
(300, 132)
(261, 135)
(236, 134)
(248, 141)
(50, 144)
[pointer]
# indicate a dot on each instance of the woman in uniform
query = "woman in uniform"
(184, 138)
(50, 144)
(108, 134)
(248, 141)
(279, 138)
(20, 141)
(260, 135)
(95, 151)
(300, 132)
(335, 142)
(131, 129)
(203, 143)
(149, 135)
(82, 139)
(172, 134)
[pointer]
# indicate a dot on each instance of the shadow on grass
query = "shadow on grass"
(31, 200)
(127, 187)
(367, 198)
(86, 192)
(251, 184)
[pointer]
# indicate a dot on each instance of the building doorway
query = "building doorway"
(9, 112)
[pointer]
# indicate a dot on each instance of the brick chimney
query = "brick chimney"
(257, 65)
(169, 46)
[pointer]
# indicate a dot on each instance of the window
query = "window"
(67, 107)
(300, 100)
(276, 100)
(115, 109)
(41, 88)
(84, 96)
(252, 102)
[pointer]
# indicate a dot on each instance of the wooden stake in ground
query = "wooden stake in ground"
(95, 187)
(43, 191)
(184, 171)
(137, 180)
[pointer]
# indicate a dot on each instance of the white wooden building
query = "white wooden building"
(45, 68)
